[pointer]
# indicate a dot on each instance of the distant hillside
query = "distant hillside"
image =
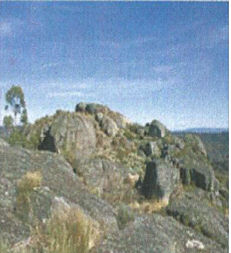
(203, 130)
(217, 146)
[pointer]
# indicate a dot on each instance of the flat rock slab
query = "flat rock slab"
(192, 209)
(158, 234)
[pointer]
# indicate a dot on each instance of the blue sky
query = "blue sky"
(147, 60)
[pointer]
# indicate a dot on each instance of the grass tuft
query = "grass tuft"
(25, 187)
(30, 181)
(66, 232)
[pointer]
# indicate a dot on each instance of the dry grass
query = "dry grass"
(149, 206)
(66, 232)
(226, 212)
(26, 185)
(30, 181)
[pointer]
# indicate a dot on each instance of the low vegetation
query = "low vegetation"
(65, 232)
(26, 185)
(125, 215)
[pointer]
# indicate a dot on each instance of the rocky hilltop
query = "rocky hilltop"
(140, 188)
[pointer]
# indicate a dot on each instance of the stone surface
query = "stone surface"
(196, 142)
(179, 142)
(101, 174)
(156, 129)
(109, 126)
(81, 107)
(102, 166)
(158, 234)
(97, 109)
(66, 133)
(99, 116)
(193, 209)
(58, 180)
(201, 174)
(160, 180)
(152, 149)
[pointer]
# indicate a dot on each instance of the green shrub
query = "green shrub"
(17, 138)
(125, 215)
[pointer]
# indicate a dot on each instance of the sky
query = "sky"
(148, 60)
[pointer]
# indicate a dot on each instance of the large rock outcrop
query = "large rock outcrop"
(177, 160)
(96, 131)
(76, 134)
(196, 143)
(202, 175)
(151, 149)
(156, 129)
(17, 214)
(158, 234)
(193, 209)
(66, 133)
(101, 111)
(195, 166)
(101, 175)
(99, 158)
(160, 180)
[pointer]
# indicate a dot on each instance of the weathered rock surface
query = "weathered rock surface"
(67, 133)
(194, 209)
(160, 180)
(152, 149)
(156, 129)
(196, 142)
(101, 175)
(158, 234)
(96, 109)
(190, 156)
(92, 129)
(109, 126)
(77, 134)
(108, 157)
(179, 142)
(58, 180)
(201, 175)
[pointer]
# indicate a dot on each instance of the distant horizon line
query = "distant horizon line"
(202, 129)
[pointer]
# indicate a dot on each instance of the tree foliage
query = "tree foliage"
(16, 101)
(8, 123)
(24, 117)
